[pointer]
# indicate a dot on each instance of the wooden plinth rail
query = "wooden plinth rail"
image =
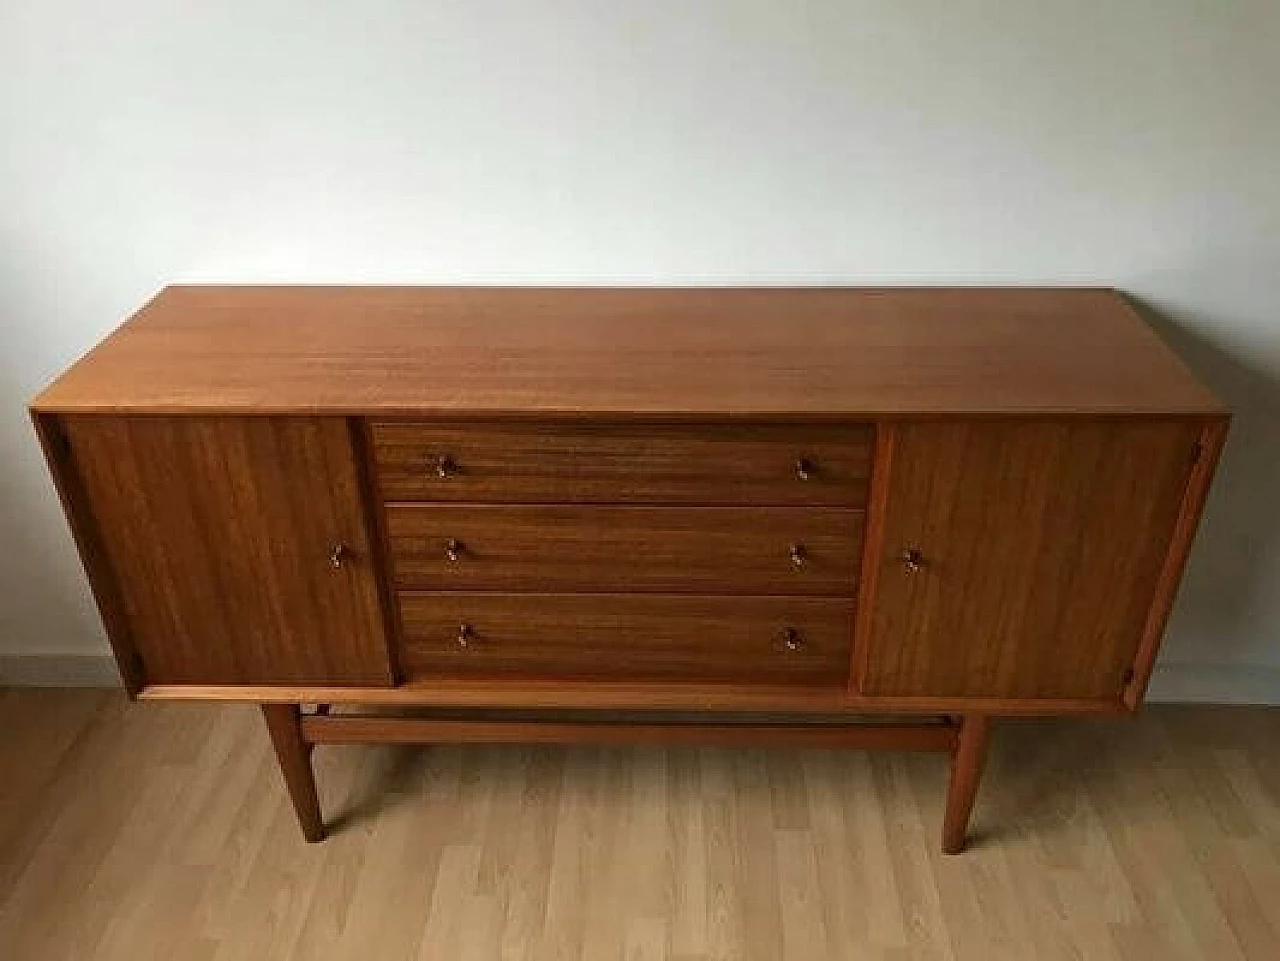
(295, 733)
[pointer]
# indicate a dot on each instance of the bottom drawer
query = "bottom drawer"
(765, 640)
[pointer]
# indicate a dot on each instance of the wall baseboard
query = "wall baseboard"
(1171, 683)
(1214, 684)
(58, 670)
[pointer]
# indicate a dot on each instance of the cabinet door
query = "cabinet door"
(1039, 547)
(219, 535)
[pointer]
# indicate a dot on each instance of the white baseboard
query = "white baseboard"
(1171, 683)
(1214, 684)
(58, 670)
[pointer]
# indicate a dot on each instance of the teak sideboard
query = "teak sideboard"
(815, 517)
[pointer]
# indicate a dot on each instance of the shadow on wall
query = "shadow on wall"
(1222, 607)
(44, 602)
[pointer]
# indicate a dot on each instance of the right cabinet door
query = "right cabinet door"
(1019, 560)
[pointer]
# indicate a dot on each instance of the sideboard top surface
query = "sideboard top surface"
(661, 352)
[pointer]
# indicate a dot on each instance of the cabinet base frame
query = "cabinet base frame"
(294, 733)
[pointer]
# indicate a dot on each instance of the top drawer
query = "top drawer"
(717, 464)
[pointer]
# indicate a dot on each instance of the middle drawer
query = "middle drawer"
(678, 550)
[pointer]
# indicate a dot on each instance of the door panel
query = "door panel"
(1039, 549)
(219, 533)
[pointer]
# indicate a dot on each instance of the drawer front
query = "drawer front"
(679, 550)
(591, 464)
(766, 640)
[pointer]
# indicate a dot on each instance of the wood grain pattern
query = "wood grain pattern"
(131, 831)
(627, 636)
(107, 592)
(967, 762)
(219, 532)
(375, 527)
(363, 729)
(1212, 437)
(1042, 544)
(706, 464)
(627, 695)
(294, 757)
(678, 550)
(796, 354)
(872, 550)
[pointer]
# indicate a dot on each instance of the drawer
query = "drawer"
(593, 463)
(767, 640)
(679, 550)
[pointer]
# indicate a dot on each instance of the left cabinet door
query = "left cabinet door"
(238, 548)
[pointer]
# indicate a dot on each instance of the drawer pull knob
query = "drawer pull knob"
(446, 466)
(913, 560)
(338, 555)
(799, 556)
(453, 549)
(805, 469)
(792, 639)
(465, 634)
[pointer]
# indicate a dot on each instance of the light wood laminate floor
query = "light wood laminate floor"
(136, 831)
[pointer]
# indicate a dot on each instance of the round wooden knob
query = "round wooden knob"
(799, 556)
(446, 466)
(805, 469)
(338, 555)
(465, 634)
(912, 560)
(453, 549)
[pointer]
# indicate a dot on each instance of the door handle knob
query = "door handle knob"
(792, 639)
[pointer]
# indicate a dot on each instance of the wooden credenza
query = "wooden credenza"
(819, 517)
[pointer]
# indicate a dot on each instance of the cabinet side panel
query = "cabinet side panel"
(89, 544)
(222, 533)
(1212, 437)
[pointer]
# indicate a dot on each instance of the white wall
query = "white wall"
(1132, 143)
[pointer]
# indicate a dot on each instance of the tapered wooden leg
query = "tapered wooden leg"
(294, 756)
(966, 771)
